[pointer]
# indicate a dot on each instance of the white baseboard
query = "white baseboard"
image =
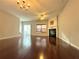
(71, 44)
(12, 36)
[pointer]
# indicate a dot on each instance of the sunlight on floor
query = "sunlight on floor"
(27, 41)
(40, 41)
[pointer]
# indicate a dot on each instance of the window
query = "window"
(41, 28)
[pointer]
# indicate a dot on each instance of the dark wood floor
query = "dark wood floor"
(67, 51)
(36, 48)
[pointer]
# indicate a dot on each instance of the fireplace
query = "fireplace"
(52, 36)
(52, 33)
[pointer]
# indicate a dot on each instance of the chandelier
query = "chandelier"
(43, 15)
(24, 4)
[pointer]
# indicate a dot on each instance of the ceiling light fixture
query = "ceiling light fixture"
(24, 4)
(42, 16)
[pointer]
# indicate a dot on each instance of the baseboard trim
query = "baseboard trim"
(12, 36)
(71, 44)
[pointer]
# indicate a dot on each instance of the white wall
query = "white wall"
(69, 23)
(9, 24)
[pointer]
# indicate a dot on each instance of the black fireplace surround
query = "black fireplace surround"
(52, 36)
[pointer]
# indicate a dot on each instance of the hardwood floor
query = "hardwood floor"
(35, 48)
(66, 51)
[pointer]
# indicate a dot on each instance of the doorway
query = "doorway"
(26, 30)
(27, 35)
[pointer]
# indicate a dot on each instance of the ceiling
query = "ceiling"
(51, 7)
